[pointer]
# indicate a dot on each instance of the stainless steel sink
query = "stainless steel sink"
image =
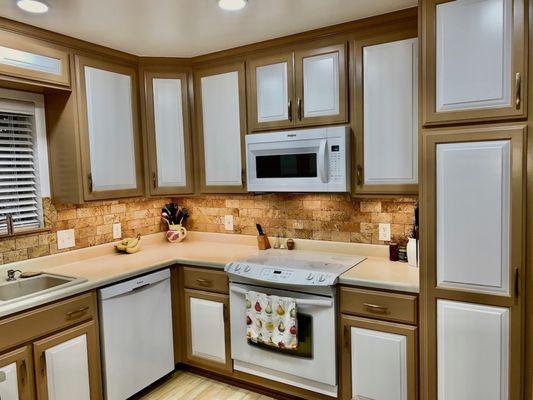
(37, 285)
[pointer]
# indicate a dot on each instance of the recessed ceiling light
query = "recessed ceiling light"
(232, 5)
(33, 6)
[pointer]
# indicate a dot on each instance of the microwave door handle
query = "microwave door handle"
(322, 173)
(301, 302)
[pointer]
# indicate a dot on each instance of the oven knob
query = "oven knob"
(247, 269)
(237, 267)
(322, 278)
(310, 277)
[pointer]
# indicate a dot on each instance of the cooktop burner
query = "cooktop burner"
(294, 267)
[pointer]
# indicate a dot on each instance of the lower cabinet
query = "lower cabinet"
(65, 364)
(207, 325)
(16, 375)
(57, 354)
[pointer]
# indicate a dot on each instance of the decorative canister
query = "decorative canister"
(176, 233)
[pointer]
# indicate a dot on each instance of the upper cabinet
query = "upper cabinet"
(109, 133)
(168, 133)
(32, 59)
(221, 127)
(304, 87)
(475, 57)
(386, 114)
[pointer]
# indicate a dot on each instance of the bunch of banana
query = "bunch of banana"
(129, 245)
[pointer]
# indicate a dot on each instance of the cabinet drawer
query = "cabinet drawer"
(380, 305)
(204, 279)
(24, 327)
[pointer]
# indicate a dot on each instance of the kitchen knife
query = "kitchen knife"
(259, 229)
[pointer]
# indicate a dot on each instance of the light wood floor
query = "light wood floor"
(186, 386)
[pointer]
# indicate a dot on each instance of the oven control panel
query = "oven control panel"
(281, 275)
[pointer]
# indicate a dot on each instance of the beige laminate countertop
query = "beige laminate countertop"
(101, 265)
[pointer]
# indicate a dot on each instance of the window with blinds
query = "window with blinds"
(19, 178)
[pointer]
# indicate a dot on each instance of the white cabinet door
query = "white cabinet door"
(110, 128)
(473, 237)
(221, 123)
(473, 54)
(390, 112)
(272, 92)
(67, 370)
(321, 85)
(169, 132)
(207, 329)
(473, 351)
(9, 382)
(379, 365)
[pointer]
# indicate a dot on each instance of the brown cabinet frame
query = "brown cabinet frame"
(82, 62)
(358, 156)
(199, 133)
(410, 332)
(93, 357)
(151, 150)
(519, 56)
(23, 358)
(430, 293)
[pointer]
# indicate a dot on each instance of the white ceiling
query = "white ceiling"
(185, 28)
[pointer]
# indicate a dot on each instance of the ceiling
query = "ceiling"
(185, 28)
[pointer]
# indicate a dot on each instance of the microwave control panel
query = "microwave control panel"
(336, 163)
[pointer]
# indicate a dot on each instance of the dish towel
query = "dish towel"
(271, 320)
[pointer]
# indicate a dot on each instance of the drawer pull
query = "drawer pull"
(374, 308)
(77, 313)
(204, 282)
(518, 90)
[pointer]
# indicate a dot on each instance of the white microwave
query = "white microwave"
(310, 160)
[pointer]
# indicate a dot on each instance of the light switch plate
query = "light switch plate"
(65, 239)
(117, 230)
(384, 232)
(228, 222)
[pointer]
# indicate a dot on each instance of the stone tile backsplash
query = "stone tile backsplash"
(335, 217)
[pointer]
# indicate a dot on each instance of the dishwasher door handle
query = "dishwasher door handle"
(300, 302)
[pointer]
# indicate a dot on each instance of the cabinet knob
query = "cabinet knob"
(289, 110)
(299, 106)
(154, 180)
(90, 182)
(359, 174)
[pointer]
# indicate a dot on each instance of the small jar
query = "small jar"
(290, 244)
(402, 253)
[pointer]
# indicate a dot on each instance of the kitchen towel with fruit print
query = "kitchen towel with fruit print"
(271, 320)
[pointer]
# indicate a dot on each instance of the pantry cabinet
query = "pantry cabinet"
(207, 324)
(66, 365)
(16, 375)
(386, 114)
(168, 133)
(474, 277)
(474, 65)
(298, 88)
(221, 126)
(33, 60)
(109, 129)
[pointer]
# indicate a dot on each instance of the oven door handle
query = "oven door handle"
(322, 173)
(301, 302)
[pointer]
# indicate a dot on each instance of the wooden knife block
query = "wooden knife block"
(262, 242)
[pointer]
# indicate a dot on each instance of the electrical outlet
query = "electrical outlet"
(117, 231)
(228, 222)
(65, 239)
(384, 232)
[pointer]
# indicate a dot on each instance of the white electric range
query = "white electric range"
(309, 278)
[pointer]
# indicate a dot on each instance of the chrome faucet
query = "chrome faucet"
(8, 219)
(11, 274)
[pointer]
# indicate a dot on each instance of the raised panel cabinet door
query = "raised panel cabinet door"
(207, 329)
(387, 116)
(168, 131)
(16, 375)
(321, 88)
(68, 365)
(476, 55)
(473, 351)
(271, 92)
(109, 127)
(379, 360)
(221, 120)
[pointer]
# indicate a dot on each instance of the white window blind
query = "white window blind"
(19, 178)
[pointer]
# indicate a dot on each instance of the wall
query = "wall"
(310, 216)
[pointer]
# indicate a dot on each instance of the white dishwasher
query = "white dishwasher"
(136, 334)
